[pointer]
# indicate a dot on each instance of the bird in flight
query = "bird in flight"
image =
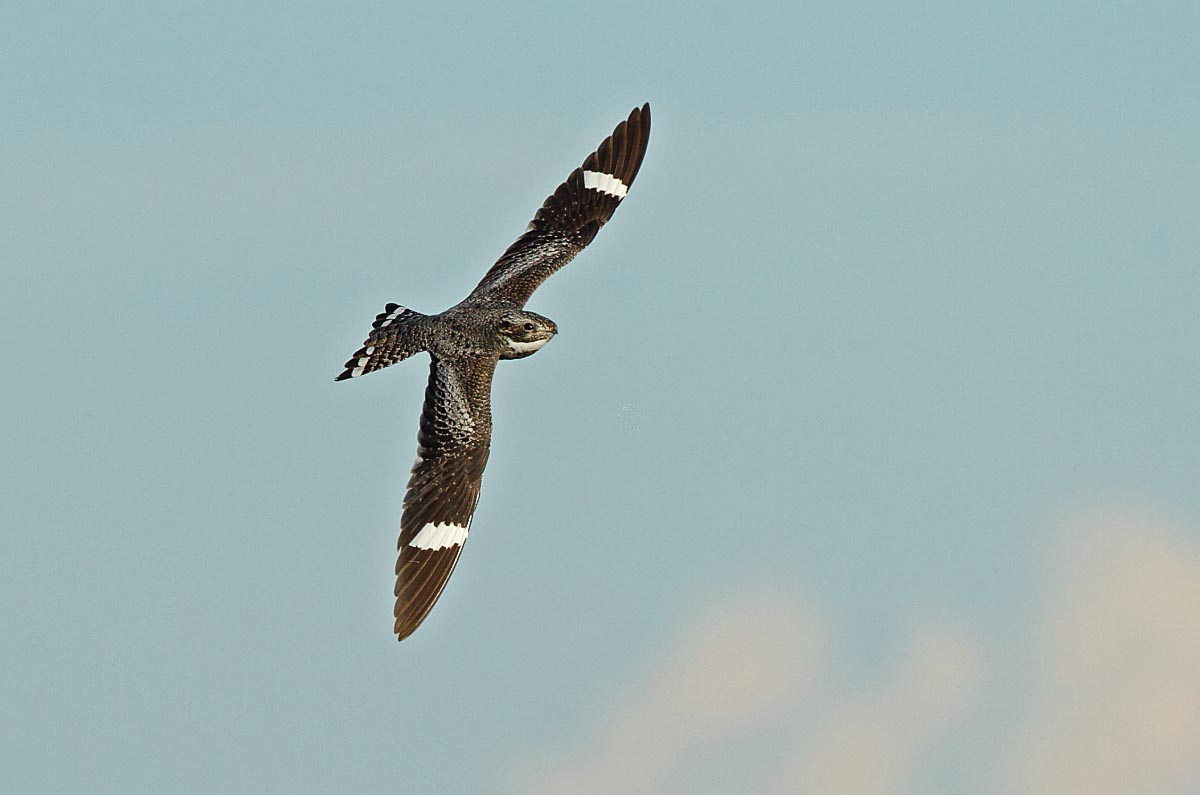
(464, 343)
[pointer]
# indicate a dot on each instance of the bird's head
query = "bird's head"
(522, 333)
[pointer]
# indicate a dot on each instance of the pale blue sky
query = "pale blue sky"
(900, 290)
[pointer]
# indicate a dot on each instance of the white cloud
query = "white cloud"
(1115, 685)
(752, 662)
(738, 663)
(1109, 703)
(873, 741)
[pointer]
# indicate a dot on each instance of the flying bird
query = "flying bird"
(464, 344)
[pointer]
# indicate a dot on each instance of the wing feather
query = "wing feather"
(452, 452)
(571, 216)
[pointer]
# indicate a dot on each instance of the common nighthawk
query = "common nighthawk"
(464, 344)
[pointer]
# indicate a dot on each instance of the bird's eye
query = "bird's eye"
(529, 327)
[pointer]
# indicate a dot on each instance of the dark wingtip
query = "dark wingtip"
(405, 628)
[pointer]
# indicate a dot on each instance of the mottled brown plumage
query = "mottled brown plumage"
(465, 342)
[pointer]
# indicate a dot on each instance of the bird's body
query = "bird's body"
(465, 342)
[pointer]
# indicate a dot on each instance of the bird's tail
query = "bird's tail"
(395, 335)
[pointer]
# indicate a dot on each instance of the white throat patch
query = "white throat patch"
(526, 347)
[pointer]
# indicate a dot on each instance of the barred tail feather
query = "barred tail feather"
(394, 314)
(395, 335)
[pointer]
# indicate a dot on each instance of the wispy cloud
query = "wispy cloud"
(739, 662)
(1109, 704)
(1115, 686)
(873, 741)
(754, 661)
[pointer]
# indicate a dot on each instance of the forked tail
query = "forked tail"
(395, 335)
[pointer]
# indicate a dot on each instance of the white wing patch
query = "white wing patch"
(605, 183)
(440, 536)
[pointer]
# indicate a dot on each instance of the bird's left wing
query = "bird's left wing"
(571, 216)
(452, 451)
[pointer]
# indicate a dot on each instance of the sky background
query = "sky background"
(866, 460)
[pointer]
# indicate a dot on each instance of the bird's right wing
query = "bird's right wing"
(571, 216)
(452, 451)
